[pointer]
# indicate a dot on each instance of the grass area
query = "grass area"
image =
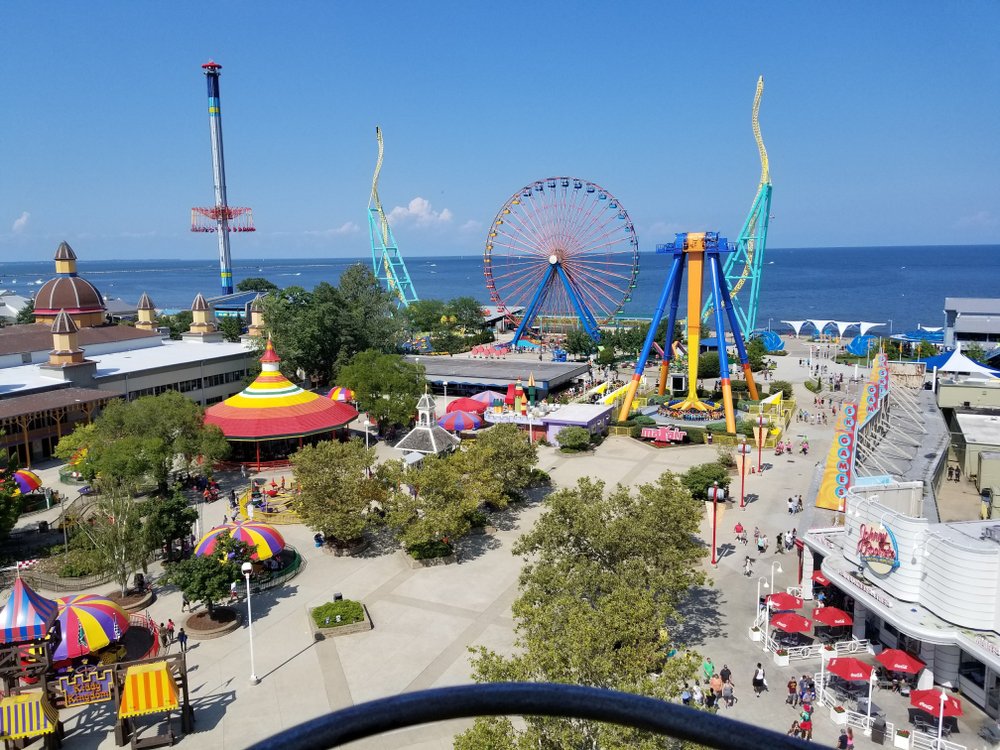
(350, 611)
(814, 385)
(430, 550)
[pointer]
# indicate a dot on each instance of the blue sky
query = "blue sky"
(881, 120)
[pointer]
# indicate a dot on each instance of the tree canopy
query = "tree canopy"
(579, 343)
(699, 478)
(26, 314)
(502, 455)
(256, 284)
(167, 520)
(337, 488)
(206, 578)
(10, 497)
(385, 385)
(604, 573)
(115, 530)
(132, 442)
(432, 502)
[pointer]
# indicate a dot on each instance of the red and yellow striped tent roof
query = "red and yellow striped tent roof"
(148, 689)
(26, 715)
(272, 407)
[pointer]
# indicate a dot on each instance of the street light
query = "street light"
(445, 384)
(744, 450)
(769, 323)
(868, 724)
(714, 492)
(367, 426)
(760, 435)
(247, 569)
(767, 609)
(772, 573)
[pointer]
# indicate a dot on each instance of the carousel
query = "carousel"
(273, 417)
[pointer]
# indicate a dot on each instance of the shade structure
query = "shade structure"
(340, 393)
(89, 623)
(457, 421)
(832, 616)
(897, 660)
(781, 600)
(148, 689)
(471, 405)
(930, 701)
(819, 578)
(27, 616)
(27, 715)
(27, 481)
(790, 622)
(272, 407)
(850, 669)
(267, 539)
(488, 397)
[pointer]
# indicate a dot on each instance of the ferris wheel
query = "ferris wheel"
(561, 250)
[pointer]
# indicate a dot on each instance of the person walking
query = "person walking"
(185, 604)
(726, 673)
(182, 639)
(759, 680)
(170, 630)
(708, 668)
(243, 471)
(748, 567)
(806, 726)
(842, 740)
(164, 637)
(793, 693)
(728, 694)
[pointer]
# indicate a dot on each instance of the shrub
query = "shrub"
(782, 385)
(699, 478)
(696, 435)
(643, 421)
(573, 439)
(708, 365)
(325, 615)
(726, 456)
(477, 518)
(430, 550)
(740, 386)
(814, 385)
(539, 477)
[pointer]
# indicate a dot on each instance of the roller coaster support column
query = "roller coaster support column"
(668, 341)
(670, 289)
(720, 339)
(741, 348)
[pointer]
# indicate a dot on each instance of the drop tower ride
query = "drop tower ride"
(221, 218)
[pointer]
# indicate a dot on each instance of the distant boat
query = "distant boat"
(39, 281)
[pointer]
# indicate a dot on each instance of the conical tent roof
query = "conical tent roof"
(955, 361)
(273, 407)
(27, 616)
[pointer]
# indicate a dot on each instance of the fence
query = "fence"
(277, 579)
(147, 623)
(924, 741)
(863, 722)
(58, 584)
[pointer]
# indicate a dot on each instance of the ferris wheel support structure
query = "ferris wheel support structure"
(746, 265)
(387, 262)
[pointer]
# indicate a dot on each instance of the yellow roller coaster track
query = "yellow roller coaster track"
(765, 176)
(383, 222)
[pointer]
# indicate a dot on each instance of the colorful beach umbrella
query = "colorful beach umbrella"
(897, 660)
(781, 600)
(457, 421)
(89, 623)
(790, 622)
(488, 397)
(832, 616)
(267, 539)
(340, 393)
(851, 669)
(930, 701)
(27, 615)
(27, 481)
(471, 405)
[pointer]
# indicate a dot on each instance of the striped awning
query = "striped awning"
(26, 715)
(149, 689)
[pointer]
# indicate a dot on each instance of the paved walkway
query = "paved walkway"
(426, 619)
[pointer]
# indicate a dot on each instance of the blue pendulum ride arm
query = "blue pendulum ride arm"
(727, 304)
(589, 324)
(720, 340)
(532, 309)
(668, 349)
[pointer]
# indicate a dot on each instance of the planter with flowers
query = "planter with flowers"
(755, 635)
(781, 657)
(827, 652)
(902, 739)
(838, 715)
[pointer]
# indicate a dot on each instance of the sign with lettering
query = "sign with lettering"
(91, 686)
(877, 548)
(838, 474)
(663, 434)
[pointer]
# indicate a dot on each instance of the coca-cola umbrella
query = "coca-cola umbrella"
(897, 660)
(832, 616)
(781, 600)
(791, 622)
(819, 578)
(849, 668)
(930, 701)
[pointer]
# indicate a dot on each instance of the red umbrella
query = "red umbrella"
(896, 660)
(791, 623)
(821, 579)
(930, 701)
(850, 668)
(781, 600)
(832, 616)
(470, 405)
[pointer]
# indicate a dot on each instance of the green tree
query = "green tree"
(468, 313)
(386, 385)
(368, 318)
(756, 352)
(431, 503)
(167, 520)
(337, 488)
(573, 438)
(256, 284)
(974, 352)
(708, 365)
(784, 386)
(178, 323)
(10, 496)
(231, 327)
(505, 454)
(926, 349)
(579, 343)
(303, 326)
(699, 478)
(114, 528)
(146, 439)
(606, 354)
(604, 572)
(206, 578)
(447, 340)
(26, 314)
(424, 315)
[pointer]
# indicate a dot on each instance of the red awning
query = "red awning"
(819, 578)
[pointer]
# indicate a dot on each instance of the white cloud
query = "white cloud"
(348, 227)
(20, 223)
(420, 212)
(660, 232)
(472, 226)
(979, 220)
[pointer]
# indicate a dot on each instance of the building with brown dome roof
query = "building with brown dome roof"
(70, 292)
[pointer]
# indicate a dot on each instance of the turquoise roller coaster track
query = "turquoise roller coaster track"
(387, 262)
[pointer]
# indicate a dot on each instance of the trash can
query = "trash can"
(878, 730)
(43, 527)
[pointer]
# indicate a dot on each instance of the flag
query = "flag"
(26, 564)
(81, 635)
(117, 630)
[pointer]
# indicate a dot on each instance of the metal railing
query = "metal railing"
(277, 579)
(864, 721)
(527, 699)
(58, 584)
(924, 741)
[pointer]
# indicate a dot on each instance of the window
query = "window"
(973, 670)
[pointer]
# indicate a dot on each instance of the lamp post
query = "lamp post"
(890, 326)
(759, 434)
(247, 569)
(868, 722)
(944, 699)
(743, 449)
(445, 384)
(714, 492)
(756, 611)
(773, 571)
(367, 426)
(769, 323)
